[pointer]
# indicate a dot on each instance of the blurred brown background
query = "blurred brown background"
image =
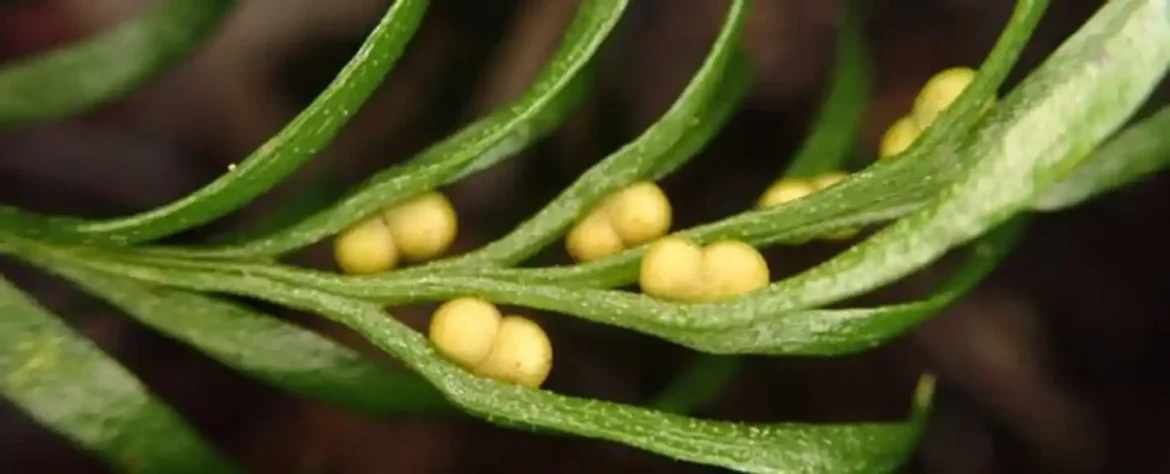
(1050, 367)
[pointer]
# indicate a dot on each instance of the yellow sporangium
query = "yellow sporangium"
(472, 333)
(630, 217)
(675, 268)
(416, 230)
(939, 92)
(785, 190)
(899, 137)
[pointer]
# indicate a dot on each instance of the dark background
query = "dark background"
(1050, 367)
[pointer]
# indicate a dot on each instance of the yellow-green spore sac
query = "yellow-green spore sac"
(899, 137)
(784, 191)
(419, 229)
(732, 268)
(631, 217)
(472, 333)
(522, 354)
(365, 248)
(423, 227)
(677, 269)
(464, 330)
(672, 269)
(939, 92)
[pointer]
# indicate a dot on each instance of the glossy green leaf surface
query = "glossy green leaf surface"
(63, 381)
(504, 133)
(270, 349)
(308, 133)
(81, 77)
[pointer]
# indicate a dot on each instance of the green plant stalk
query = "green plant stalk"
(269, 349)
(308, 133)
(502, 134)
(806, 332)
(64, 382)
(72, 80)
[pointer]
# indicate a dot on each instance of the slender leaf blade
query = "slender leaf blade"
(272, 350)
(66, 383)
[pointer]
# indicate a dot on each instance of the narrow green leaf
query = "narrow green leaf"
(307, 134)
(78, 78)
(668, 143)
(66, 383)
(270, 349)
(1090, 86)
(1138, 151)
(504, 133)
(838, 124)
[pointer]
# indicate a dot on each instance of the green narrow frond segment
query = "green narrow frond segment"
(1090, 86)
(67, 384)
(1140, 150)
(78, 78)
(504, 133)
(272, 350)
(301, 139)
(837, 126)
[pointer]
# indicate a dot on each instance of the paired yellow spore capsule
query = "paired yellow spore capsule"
(939, 92)
(628, 218)
(899, 137)
(416, 230)
(472, 333)
(674, 268)
(791, 189)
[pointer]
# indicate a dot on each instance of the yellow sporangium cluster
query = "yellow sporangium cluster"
(416, 230)
(628, 218)
(791, 189)
(472, 333)
(678, 269)
(939, 92)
